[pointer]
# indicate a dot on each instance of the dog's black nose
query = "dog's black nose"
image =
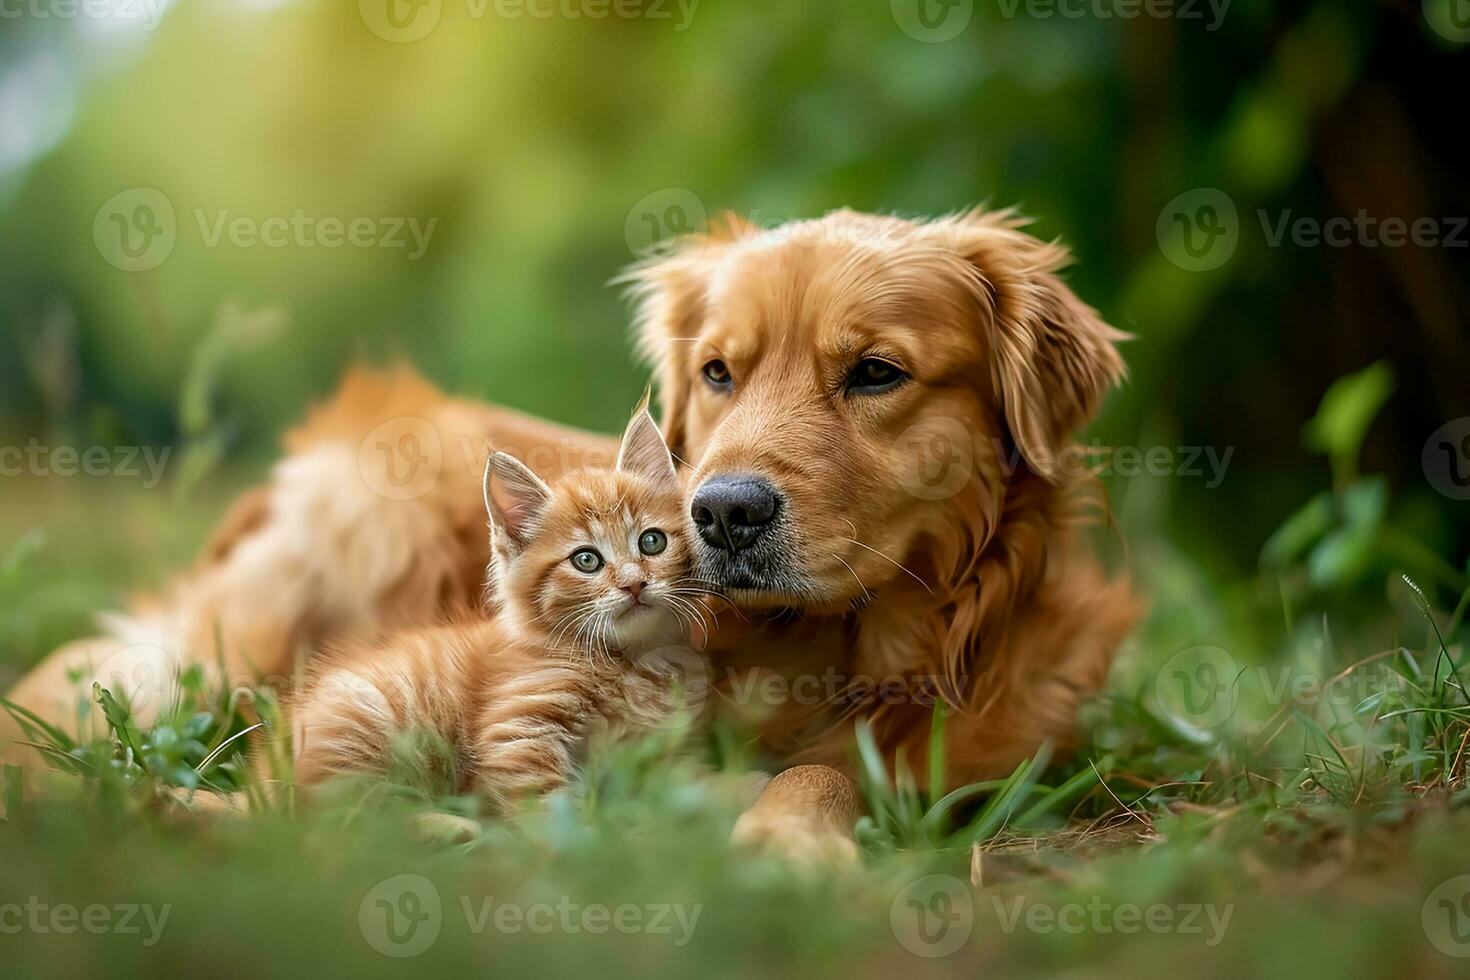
(731, 510)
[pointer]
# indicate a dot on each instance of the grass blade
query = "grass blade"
(1064, 793)
(877, 786)
(997, 812)
(204, 764)
(36, 727)
(936, 783)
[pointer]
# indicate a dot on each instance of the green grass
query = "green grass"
(1295, 819)
(1321, 824)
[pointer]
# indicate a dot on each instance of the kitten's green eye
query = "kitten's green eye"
(586, 560)
(653, 541)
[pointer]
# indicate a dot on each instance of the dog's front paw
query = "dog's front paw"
(797, 840)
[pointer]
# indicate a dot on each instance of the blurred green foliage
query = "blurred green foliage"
(539, 147)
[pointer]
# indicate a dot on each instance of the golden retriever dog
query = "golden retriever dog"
(875, 417)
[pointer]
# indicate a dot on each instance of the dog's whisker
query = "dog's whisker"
(867, 596)
(899, 565)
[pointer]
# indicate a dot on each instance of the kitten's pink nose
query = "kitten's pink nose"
(634, 589)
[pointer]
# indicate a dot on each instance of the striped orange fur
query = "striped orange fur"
(589, 594)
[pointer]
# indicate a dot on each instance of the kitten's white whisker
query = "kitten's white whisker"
(604, 638)
(574, 619)
(679, 603)
(698, 590)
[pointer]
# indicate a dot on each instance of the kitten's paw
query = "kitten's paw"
(796, 840)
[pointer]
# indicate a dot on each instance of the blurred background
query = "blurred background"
(209, 208)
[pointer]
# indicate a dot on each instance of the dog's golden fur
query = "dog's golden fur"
(987, 591)
(984, 591)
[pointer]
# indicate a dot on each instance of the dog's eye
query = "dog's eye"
(872, 376)
(717, 374)
(586, 560)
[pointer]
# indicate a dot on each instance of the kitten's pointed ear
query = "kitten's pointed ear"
(644, 452)
(515, 497)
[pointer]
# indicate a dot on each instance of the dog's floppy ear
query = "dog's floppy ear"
(669, 295)
(515, 498)
(1052, 357)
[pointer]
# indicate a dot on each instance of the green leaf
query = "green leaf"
(1299, 532)
(118, 720)
(1341, 558)
(1346, 411)
(1365, 502)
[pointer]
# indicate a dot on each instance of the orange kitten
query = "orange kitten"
(593, 611)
